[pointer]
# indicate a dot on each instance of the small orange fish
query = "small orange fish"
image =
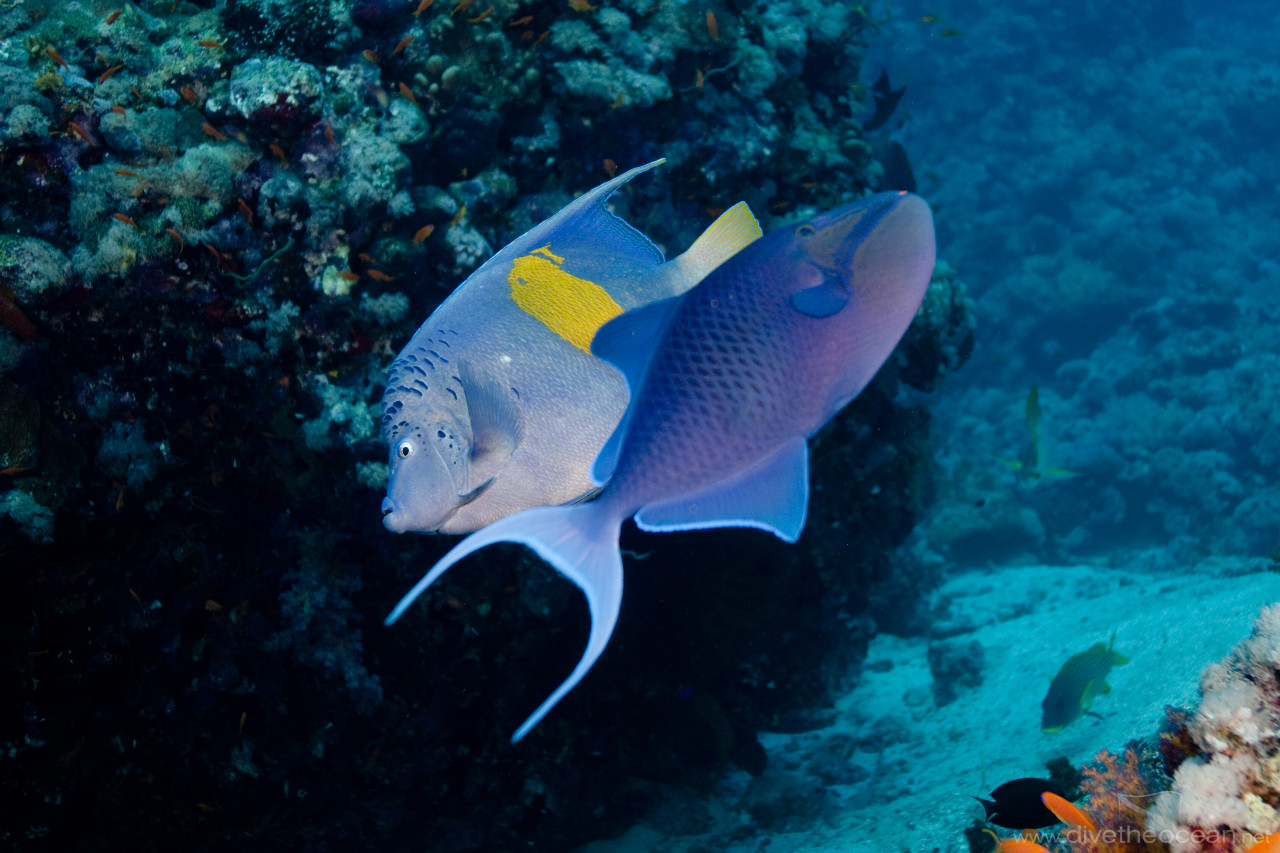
(422, 233)
(520, 22)
(81, 132)
(610, 167)
(1066, 811)
(712, 29)
(407, 94)
(348, 275)
(175, 235)
(189, 95)
(460, 6)
(109, 73)
(483, 16)
(698, 78)
(14, 470)
(278, 152)
(328, 134)
(127, 220)
(116, 108)
(929, 19)
(370, 55)
(401, 45)
(210, 43)
(244, 208)
(11, 317)
(57, 59)
(459, 216)
(128, 173)
(1015, 845)
(212, 606)
(581, 6)
(244, 715)
(366, 257)
(422, 7)
(379, 275)
(213, 131)
(1267, 844)
(111, 19)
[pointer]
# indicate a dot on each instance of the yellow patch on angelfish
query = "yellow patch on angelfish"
(574, 308)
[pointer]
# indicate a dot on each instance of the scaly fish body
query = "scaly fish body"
(729, 381)
(496, 404)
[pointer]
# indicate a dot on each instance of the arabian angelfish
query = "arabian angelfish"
(497, 404)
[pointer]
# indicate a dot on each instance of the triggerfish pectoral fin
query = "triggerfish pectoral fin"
(582, 545)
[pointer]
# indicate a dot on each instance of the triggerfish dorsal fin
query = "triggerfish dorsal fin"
(627, 342)
(734, 229)
(580, 542)
(772, 496)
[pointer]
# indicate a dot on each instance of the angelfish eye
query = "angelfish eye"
(805, 230)
(405, 450)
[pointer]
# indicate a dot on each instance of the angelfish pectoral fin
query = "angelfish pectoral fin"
(479, 490)
(580, 542)
(494, 413)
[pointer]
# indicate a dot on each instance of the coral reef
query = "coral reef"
(219, 221)
(1225, 796)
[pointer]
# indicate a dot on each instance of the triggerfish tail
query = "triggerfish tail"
(581, 542)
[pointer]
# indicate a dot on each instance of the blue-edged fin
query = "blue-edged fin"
(729, 234)
(592, 240)
(823, 300)
(627, 342)
(580, 542)
(773, 496)
(496, 430)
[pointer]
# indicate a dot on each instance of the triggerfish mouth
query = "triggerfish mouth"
(727, 382)
(497, 404)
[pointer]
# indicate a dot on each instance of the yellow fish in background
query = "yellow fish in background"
(1029, 461)
(496, 404)
(1082, 679)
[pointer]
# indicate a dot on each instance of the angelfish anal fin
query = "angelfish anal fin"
(773, 496)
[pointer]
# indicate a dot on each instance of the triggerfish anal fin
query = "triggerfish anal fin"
(581, 543)
(773, 496)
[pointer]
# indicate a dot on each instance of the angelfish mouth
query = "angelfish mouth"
(388, 507)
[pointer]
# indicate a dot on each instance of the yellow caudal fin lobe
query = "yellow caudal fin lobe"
(734, 229)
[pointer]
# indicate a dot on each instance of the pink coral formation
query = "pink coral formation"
(1225, 797)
